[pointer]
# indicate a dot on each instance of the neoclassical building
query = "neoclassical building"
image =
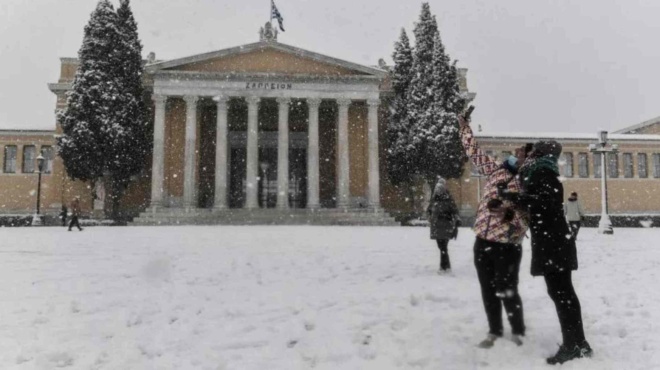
(270, 133)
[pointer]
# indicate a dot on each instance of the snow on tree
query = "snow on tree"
(397, 155)
(129, 134)
(104, 132)
(433, 100)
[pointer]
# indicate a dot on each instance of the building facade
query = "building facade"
(268, 126)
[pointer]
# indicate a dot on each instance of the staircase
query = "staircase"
(323, 216)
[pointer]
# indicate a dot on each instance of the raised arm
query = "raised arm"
(484, 163)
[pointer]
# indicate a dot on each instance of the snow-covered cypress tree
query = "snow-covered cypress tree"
(128, 135)
(89, 113)
(433, 102)
(398, 160)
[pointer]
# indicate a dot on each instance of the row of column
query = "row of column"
(222, 153)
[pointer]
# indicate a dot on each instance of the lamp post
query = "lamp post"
(36, 220)
(605, 225)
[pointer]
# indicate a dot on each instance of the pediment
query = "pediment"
(270, 58)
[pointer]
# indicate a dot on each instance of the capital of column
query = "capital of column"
(283, 101)
(191, 99)
(253, 100)
(373, 102)
(221, 99)
(344, 102)
(314, 102)
(159, 99)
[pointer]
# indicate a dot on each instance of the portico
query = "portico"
(281, 128)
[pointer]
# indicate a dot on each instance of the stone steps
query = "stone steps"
(355, 217)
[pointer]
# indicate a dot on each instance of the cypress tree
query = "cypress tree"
(89, 105)
(397, 130)
(129, 133)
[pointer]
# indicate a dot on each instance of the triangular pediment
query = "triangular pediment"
(267, 57)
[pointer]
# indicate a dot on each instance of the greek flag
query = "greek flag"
(274, 13)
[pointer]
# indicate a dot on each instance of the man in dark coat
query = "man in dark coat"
(554, 255)
(443, 218)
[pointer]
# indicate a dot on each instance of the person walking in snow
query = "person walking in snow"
(444, 221)
(75, 213)
(63, 214)
(500, 229)
(574, 214)
(554, 255)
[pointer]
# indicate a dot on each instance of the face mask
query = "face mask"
(512, 160)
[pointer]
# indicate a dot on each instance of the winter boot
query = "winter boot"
(488, 342)
(517, 339)
(570, 353)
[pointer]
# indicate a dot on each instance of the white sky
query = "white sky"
(539, 65)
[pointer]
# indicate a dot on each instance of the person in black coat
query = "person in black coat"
(554, 255)
(444, 221)
(63, 214)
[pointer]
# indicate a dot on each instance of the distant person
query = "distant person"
(75, 213)
(554, 255)
(500, 228)
(63, 214)
(574, 214)
(444, 221)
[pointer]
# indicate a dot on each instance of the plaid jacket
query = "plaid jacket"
(486, 226)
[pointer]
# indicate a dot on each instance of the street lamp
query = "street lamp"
(36, 220)
(605, 225)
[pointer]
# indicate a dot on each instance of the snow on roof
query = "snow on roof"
(638, 126)
(564, 136)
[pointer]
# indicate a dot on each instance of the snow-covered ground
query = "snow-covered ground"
(300, 298)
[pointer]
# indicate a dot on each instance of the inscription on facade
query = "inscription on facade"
(268, 86)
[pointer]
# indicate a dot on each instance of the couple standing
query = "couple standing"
(524, 191)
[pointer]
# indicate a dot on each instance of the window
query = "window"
(642, 166)
(29, 157)
(568, 164)
(613, 165)
(656, 165)
(598, 159)
(48, 153)
(583, 165)
(10, 159)
(628, 165)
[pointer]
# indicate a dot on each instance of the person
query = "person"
(443, 218)
(75, 213)
(574, 214)
(554, 255)
(500, 229)
(63, 214)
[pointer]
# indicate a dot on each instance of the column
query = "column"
(251, 201)
(374, 175)
(189, 156)
(342, 154)
(158, 160)
(221, 153)
(283, 154)
(313, 154)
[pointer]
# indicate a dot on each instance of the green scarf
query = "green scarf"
(548, 162)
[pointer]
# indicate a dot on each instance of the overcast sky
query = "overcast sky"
(541, 65)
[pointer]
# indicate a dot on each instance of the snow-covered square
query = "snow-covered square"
(301, 298)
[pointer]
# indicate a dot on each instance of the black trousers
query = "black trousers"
(444, 254)
(74, 222)
(498, 265)
(575, 228)
(560, 290)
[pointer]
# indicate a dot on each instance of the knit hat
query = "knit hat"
(440, 185)
(547, 147)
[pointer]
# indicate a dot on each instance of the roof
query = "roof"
(243, 49)
(639, 126)
(559, 136)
